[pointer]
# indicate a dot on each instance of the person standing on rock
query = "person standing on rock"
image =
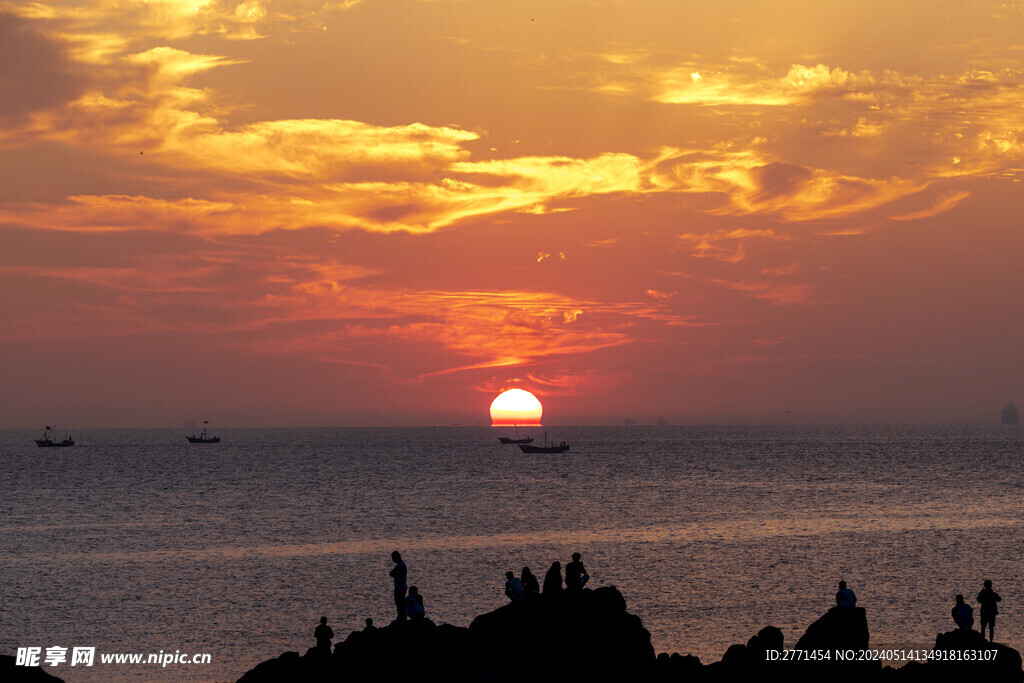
(414, 604)
(845, 597)
(530, 582)
(988, 599)
(963, 614)
(553, 579)
(575, 575)
(323, 635)
(514, 587)
(399, 573)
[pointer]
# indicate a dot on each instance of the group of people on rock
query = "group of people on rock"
(409, 602)
(962, 613)
(407, 605)
(576, 578)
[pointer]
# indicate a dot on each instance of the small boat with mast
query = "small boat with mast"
(560, 448)
(203, 438)
(48, 439)
(517, 440)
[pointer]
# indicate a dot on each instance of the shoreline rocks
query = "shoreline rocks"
(590, 636)
(10, 671)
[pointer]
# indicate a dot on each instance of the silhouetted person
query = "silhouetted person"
(514, 587)
(988, 599)
(369, 625)
(845, 597)
(398, 573)
(323, 635)
(553, 579)
(414, 604)
(963, 614)
(575, 575)
(530, 582)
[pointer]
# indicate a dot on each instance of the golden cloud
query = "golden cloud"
(945, 202)
(178, 19)
(755, 183)
(661, 296)
(296, 173)
(717, 88)
(328, 150)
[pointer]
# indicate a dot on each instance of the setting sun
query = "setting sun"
(516, 407)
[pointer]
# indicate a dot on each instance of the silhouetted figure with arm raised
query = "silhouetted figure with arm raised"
(414, 604)
(323, 635)
(514, 587)
(988, 599)
(530, 582)
(399, 573)
(845, 597)
(575, 575)
(963, 614)
(553, 580)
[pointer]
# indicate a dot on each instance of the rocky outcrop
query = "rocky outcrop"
(584, 636)
(842, 634)
(10, 671)
(963, 656)
(589, 636)
(573, 636)
(840, 628)
(747, 662)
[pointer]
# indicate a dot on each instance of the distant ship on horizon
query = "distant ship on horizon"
(203, 438)
(1011, 415)
(48, 435)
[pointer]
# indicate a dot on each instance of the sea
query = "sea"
(137, 542)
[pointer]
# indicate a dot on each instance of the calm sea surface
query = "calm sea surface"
(135, 541)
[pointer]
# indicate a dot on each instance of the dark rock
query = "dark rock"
(678, 668)
(966, 655)
(272, 669)
(586, 636)
(589, 636)
(10, 671)
(840, 628)
(768, 638)
(571, 636)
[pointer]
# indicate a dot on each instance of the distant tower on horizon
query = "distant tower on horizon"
(1011, 415)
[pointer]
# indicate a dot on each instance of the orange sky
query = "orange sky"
(386, 211)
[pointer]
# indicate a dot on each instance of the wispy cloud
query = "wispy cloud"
(568, 382)
(944, 203)
(726, 245)
(775, 293)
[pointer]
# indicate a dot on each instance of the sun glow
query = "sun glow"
(516, 407)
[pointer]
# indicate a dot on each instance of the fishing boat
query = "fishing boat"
(48, 442)
(505, 439)
(203, 438)
(560, 448)
(517, 440)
